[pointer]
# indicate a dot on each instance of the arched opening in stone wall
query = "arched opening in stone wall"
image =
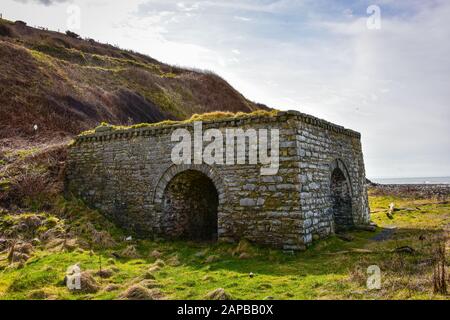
(341, 200)
(189, 207)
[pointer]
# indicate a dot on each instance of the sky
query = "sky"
(378, 67)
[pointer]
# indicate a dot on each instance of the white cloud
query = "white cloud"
(242, 18)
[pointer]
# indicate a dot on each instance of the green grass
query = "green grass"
(330, 269)
(410, 213)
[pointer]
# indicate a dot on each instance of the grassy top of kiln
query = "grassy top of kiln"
(210, 116)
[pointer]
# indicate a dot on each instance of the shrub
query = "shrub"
(72, 34)
(5, 31)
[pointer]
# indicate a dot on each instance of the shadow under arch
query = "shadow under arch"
(189, 198)
(173, 170)
(341, 194)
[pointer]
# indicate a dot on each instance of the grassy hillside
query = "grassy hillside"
(66, 85)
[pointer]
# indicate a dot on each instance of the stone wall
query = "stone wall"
(128, 175)
(321, 153)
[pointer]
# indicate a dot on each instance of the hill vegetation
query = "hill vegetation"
(64, 84)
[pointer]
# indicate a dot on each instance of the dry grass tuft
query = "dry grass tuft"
(138, 292)
(66, 85)
(439, 271)
(129, 252)
(88, 284)
(218, 294)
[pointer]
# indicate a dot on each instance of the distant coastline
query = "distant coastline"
(418, 180)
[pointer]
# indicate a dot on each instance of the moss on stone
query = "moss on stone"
(210, 116)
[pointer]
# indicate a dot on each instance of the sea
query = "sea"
(422, 180)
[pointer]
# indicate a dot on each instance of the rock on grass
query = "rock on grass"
(218, 294)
